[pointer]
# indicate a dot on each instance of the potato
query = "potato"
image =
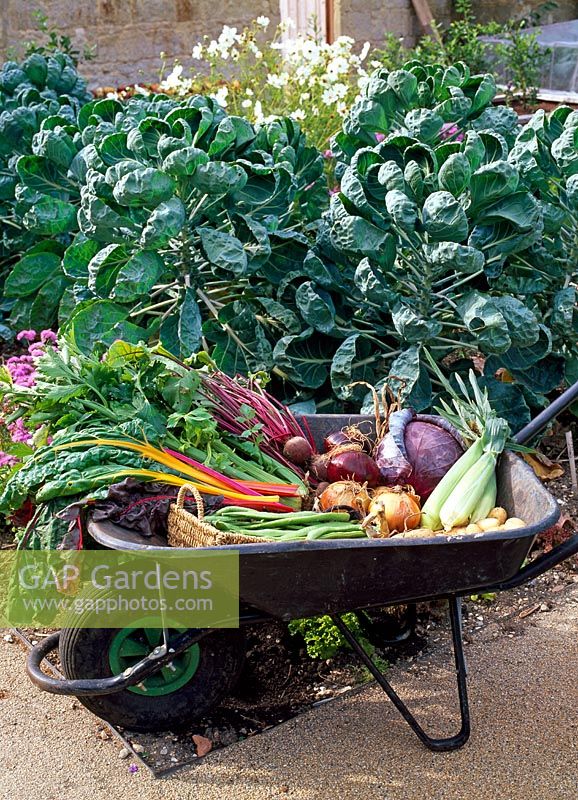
(460, 530)
(488, 524)
(498, 513)
(514, 522)
(415, 534)
(473, 528)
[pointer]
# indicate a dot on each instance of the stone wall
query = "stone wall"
(128, 35)
(369, 20)
(503, 10)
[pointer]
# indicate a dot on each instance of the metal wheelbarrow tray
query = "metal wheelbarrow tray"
(300, 579)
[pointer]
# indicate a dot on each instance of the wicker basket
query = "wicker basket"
(187, 530)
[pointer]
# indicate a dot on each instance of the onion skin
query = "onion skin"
(353, 465)
(394, 509)
(334, 439)
(345, 493)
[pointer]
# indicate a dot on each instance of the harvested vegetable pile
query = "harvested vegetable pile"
(140, 414)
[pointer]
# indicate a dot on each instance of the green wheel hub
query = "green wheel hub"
(133, 644)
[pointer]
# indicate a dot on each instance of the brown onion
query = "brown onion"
(347, 494)
(394, 509)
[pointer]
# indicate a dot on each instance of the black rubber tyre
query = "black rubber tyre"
(84, 653)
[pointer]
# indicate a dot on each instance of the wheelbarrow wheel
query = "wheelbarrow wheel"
(171, 698)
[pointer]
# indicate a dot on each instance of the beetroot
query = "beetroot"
(297, 450)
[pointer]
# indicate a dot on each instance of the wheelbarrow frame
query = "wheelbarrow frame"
(505, 573)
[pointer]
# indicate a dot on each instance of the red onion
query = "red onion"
(353, 465)
(334, 439)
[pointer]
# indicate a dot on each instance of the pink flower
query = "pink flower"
(47, 336)
(18, 433)
(30, 336)
(328, 154)
(380, 137)
(6, 460)
(449, 130)
(21, 369)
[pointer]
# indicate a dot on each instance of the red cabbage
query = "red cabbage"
(431, 451)
(418, 450)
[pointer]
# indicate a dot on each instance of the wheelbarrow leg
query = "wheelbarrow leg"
(437, 745)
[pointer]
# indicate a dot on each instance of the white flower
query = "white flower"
(197, 53)
(173, 80)
(337, 66)
(221, 96)
(263, 21)
(364, 51)
(278, 81)
(299, 114)
(310, 49)
(141, 89)
(375, 64)
(305, 96)
(249, 92)
(252, 47)
(333, 94)
(212, 48)
(258, 112)
(228, 37)
(246, 103)
(235, 54)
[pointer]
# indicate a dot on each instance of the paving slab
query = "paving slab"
(524, 743)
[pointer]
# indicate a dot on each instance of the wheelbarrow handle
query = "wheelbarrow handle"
(547, 415)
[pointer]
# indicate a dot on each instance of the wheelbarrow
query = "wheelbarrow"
(160, 679)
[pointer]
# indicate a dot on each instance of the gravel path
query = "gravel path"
(524, 703)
